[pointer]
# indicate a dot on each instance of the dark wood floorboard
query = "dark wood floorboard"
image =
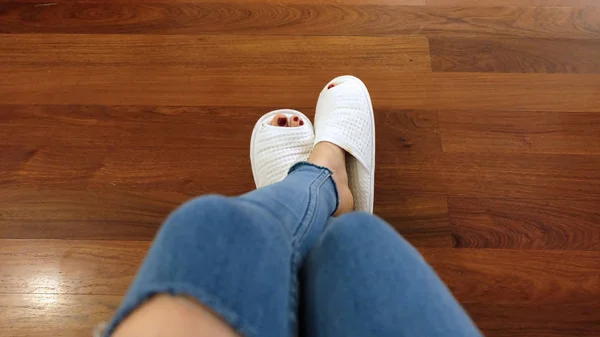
(152, 85)
(515, 55)
(298, 19)
(498, 320)
(113, 113)
(423, 221)
(221, 52)
(525, 224)
(520, 132)
(519, 277)
(79, 214)
(489, 175)
(188, 171)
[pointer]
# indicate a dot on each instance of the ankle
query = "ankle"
(328, 155)
(333, 157)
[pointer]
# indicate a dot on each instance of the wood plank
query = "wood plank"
(182, 127)
(518, 277)
(99, 126)
(525, 293)
(69, 266)
(515, 55)
(569, 320)
(67, 214)
(233, 53)
(52, 315)
(198, 86)
(299, 19)
(423, 221)
(407, 130)
(520, 132)
(495, 3)
(488, 175)
(197, 171)
(122, 215)
(525, 224)
(194, 171)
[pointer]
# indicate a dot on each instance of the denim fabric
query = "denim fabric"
(363, 279)
(241, 257)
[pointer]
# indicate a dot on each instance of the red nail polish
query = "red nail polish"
(301, 122)
(330, 86)
(296, 119)
(281, 121)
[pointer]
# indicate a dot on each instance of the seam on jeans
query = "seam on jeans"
(303, 228)
(335, 188)
(310, 212)
(143, 294)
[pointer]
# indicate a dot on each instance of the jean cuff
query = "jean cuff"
(306, 166)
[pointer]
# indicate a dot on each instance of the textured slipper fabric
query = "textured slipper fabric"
(344, 117)
(274, 149)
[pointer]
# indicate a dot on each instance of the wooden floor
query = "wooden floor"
(113, 112)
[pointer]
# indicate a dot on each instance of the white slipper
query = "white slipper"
(344, 117)
(274, 149)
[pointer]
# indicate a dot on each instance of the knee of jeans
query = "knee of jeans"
(217, 215)
(202, 211)
(209, 204)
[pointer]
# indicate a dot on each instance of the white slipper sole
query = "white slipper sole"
(274, 149)
(344, 117)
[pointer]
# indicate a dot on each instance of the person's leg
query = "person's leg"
(226, 266)
(363, 279)
(236, 256)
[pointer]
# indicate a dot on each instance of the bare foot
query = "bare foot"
(334, 158)
(283, 121)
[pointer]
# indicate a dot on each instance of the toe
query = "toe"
(280, 120)
(296, 121)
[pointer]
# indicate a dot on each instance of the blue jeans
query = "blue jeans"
(263, 259)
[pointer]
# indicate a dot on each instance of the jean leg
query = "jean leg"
(363, 279)
(239, 256)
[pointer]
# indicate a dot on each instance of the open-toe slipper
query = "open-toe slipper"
(344, 117)
(274, 149)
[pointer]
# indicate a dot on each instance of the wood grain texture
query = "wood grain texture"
(568, 320)
(199, 86)
(489, 175)
(121, 215)
(53, 315)
(232, 53)
(76, 214)
(423, 221)
(408, 130)
(299, 19)
(69, 266)
(515, 292)
(515, 55)
(518, 277)
(525, 224)
(520, 132)
(101, 126)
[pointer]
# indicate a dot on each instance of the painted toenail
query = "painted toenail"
(301, 122)
(281, 121)
(330, 86)
(296, 119)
